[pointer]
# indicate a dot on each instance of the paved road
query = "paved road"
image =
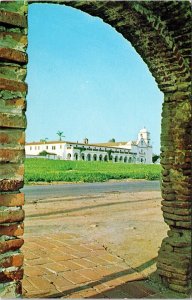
(66, 190)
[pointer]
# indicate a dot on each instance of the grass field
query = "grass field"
(43, 170)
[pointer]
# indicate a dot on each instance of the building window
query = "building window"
(35, 148)
(30, 148)
(60, 146)
(47, 147)
(53, 147)
(38, 148)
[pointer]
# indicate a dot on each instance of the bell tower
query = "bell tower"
(144, 134)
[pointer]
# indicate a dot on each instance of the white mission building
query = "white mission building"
(139, 151)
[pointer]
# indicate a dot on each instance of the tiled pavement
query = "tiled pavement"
(64, 266)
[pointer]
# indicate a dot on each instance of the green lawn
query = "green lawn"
(43, 170)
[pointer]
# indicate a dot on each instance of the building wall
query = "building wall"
(140, 153)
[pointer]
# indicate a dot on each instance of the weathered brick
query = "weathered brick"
(6, 276)
(170, 272)
(8, 120)
(12, 199)
(14, 138)
(15, 105)
(9, 216)
(176, 204)
(172, 216)
(179, 211)
(11, 171)
(13, 18)
(12, 229)
(12, 85)
(14, 39)
(12, 261)
(11, 245)
(13, 71)
(12, 55)
(183, 224)
(11, 184)
(178, 282)
(180, 289)
(12, 155)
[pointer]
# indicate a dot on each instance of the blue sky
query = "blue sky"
(86, 80)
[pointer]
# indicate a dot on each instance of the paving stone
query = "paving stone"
(40, 283)
(55, 267)
(91, 274)
(89, 293)
(60, 282)
(74, 277)
(84, 263)
(98, 261)
(82, 277)
(61, 256)
(28, 286)
(110, 258)
(71, 265)
(29, 255)
(39, 261)
(35, 271)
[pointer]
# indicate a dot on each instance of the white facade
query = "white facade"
(139, 151)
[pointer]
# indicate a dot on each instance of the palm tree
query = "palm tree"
(60, 134)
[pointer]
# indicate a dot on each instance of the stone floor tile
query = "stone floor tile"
(40, 283)
(70, 265)
(28, 286)
(74, 277)
(73, 296)
(84, 263)
(80, 248)
(42, 293)
(104, 271)
(132, 277)
(61, 256)
(98, 261)
(60, 282)
(68, 250)
(98, 253)
(81, 254)
(94, 246)
(35, 271)
(90, 274)
(29, 255)
(111, 258)
(88, 293)
(39, 261)
(55, 267)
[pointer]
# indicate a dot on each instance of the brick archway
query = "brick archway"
(161, 35)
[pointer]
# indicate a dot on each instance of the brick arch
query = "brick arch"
(161, 35)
